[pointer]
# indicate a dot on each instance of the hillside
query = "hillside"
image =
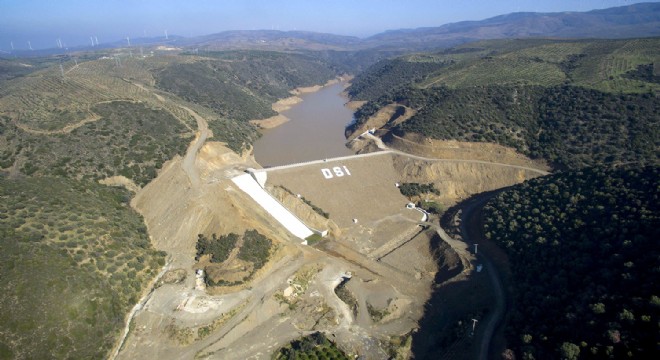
(129, 139)
(249, 81)
(572, 103)
(583, 252)
(635, 20)
(75, 257)
(272, 40)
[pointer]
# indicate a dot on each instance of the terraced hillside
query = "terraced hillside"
(573, 103)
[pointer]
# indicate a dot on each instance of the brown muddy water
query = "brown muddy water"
(316, 130)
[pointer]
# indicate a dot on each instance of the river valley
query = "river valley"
(315, 131)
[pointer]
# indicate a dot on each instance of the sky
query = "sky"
(74, 21)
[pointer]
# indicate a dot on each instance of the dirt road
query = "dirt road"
(65, 130)
(189, 160)
(381, 145)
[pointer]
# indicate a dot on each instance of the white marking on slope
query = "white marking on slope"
(247, 183)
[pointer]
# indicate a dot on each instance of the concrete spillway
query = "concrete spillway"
(250, 186)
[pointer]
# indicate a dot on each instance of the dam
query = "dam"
(359, 193)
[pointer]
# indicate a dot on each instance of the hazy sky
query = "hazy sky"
(74, 21)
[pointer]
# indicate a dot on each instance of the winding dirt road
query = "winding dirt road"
(188, 163)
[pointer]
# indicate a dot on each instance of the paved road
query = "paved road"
(468, 216)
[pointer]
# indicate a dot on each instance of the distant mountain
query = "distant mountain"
(638, 20)
(272, 40)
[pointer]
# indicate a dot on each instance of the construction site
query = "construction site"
(351, 257)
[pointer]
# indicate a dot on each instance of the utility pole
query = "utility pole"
(474, 325)
(475, 248)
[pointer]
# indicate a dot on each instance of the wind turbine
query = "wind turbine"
(12, 45)
(97, 40)
(128, 40)
(92, 40)
(62, 71)
(30, 45)
(166, 38)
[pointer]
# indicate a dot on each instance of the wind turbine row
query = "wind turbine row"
(93, 40)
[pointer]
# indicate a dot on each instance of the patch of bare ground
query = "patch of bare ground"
(173, 276)
(304, 211)
(416, 258)
(271, 122)
(388, 116)
(451, 149)
(354, 105)
(284, 300)
(458, 180)
(279, 119)
(315, 88)
(175, 210)
(122, 181)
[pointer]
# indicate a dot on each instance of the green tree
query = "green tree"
(569, 351)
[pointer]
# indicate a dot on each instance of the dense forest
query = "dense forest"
(566, 125)
(583, 248)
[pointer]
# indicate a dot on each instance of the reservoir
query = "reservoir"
(315, 131)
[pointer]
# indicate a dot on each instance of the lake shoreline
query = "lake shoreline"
(311, 129)
(287, 103)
